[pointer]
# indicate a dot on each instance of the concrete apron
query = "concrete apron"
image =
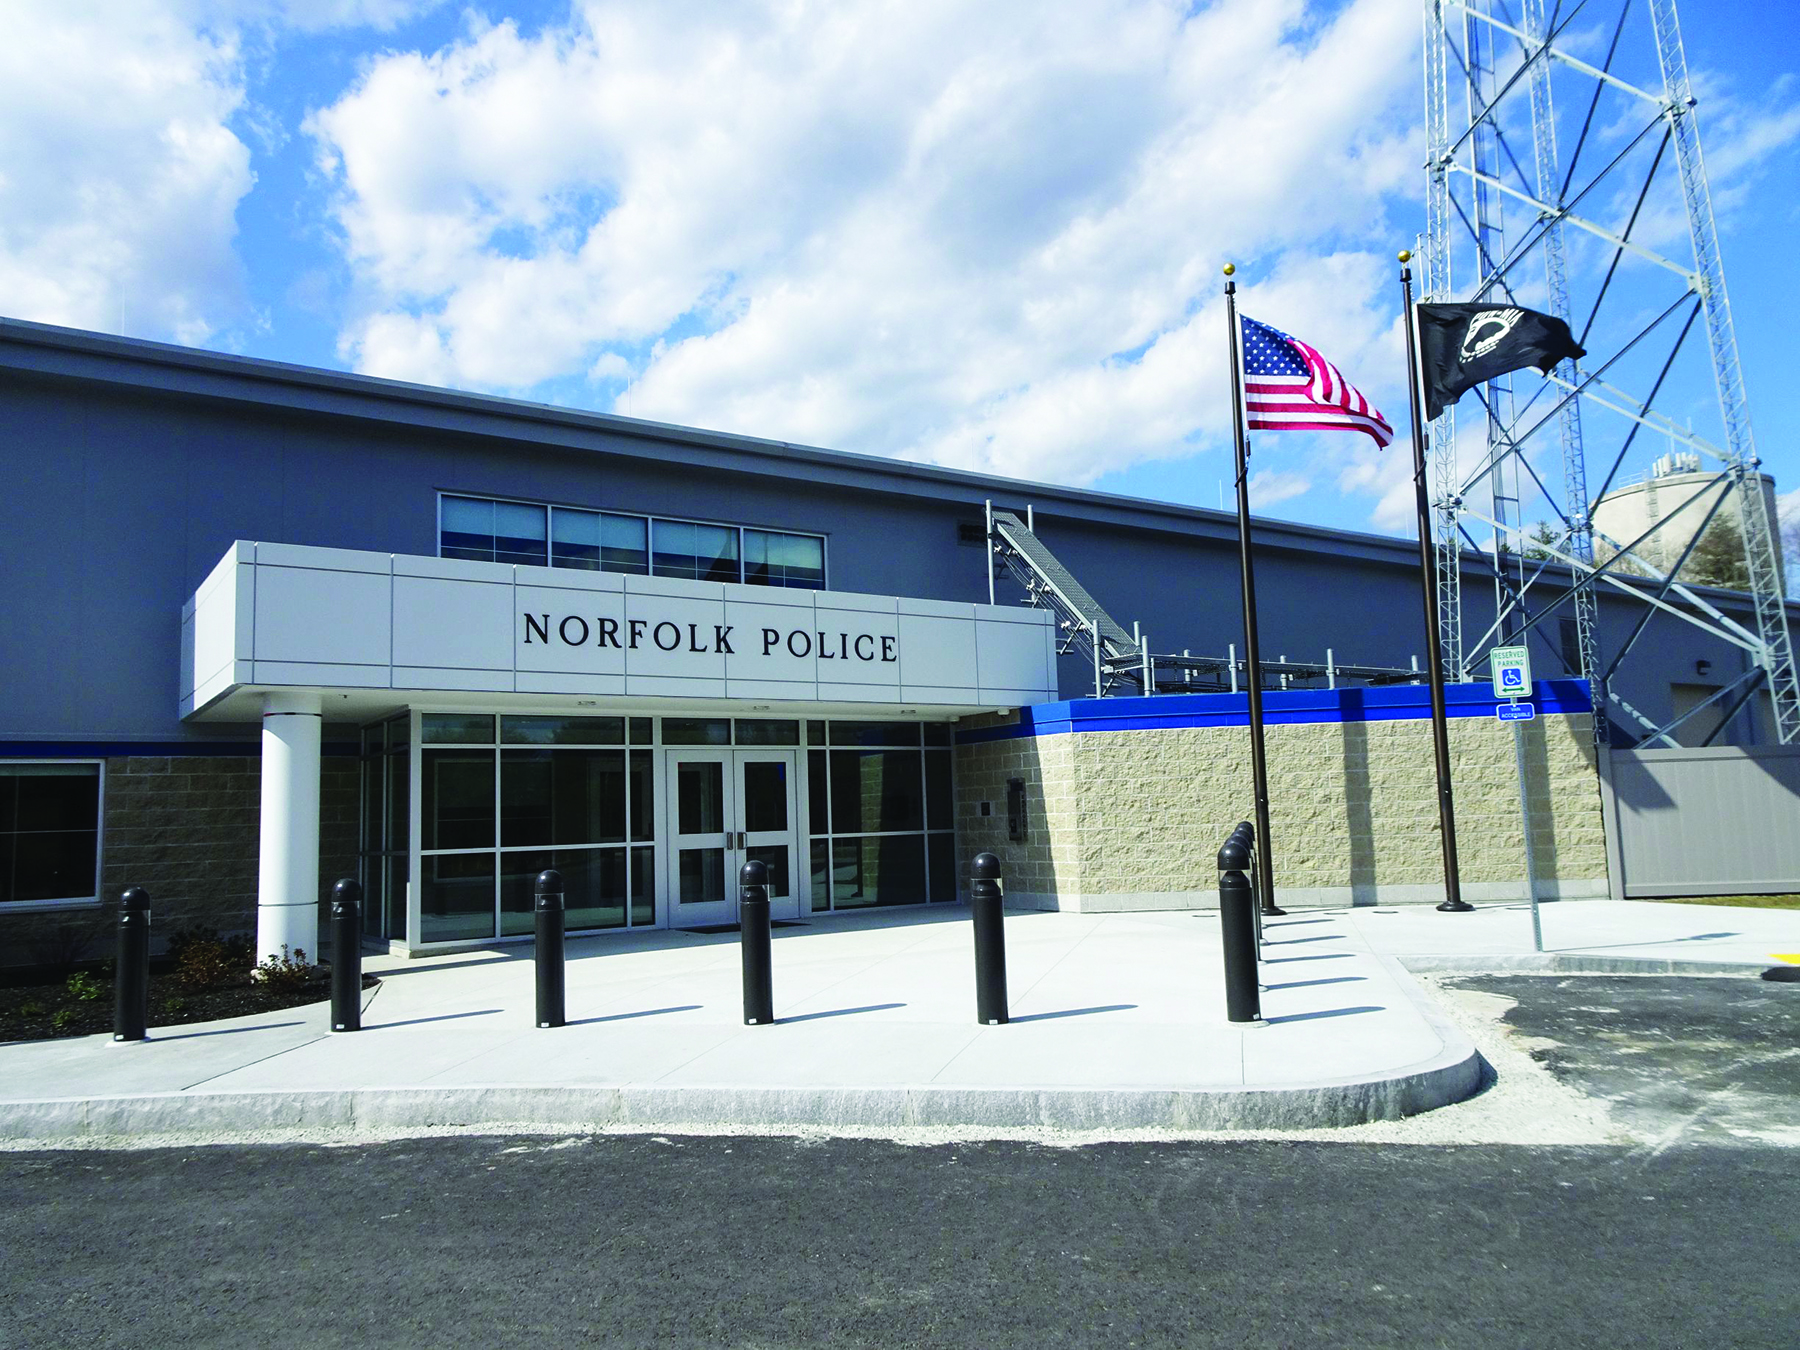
(1117, 1023)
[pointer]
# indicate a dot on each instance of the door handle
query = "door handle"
(740, 845)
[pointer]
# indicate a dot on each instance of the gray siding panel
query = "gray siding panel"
(1715, 821)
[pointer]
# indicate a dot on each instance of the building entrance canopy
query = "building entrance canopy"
(284, 616)
(467, 806)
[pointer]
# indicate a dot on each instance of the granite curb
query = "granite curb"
(1452, 1076)
(1564, 963)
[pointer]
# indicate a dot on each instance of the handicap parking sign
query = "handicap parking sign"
(1511, 667)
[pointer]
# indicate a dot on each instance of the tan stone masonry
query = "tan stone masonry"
(1133, 819)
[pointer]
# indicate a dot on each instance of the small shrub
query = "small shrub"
(62, 1017)
(237, 948)
(85, 987)
(284, 972)
(31, 1010)
(206, 963)
(175, 1004)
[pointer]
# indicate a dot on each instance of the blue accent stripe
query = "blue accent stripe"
(152, 749)
(1389, 703)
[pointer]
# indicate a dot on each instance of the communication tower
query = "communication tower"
(1618, 239)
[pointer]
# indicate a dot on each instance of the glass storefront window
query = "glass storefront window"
(766, 731)
(775, 559)
(643, 886)
(874, 733)
(817, 790)
(562, 730)
(879, 871)
(593, 888)
(456, 728)
(696, 731)
(597, 541)
(457, 810)
(683, 548)
(562, 805)
(491, 531)
(942, 866)
(875, 791)
(643, 802)
(456, 897)
(939, 805)
(562, 797)
(580, 794)
(881, 819)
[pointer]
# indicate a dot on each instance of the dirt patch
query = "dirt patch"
(83, 1004)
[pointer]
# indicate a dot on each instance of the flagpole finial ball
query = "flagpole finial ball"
(1230, 269)
(1406, 255)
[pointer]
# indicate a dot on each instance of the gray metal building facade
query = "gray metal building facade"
(131, 468)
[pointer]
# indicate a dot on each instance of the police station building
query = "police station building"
(267, 626)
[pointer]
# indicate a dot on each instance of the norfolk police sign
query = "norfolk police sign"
(283, 616)
(718, 639)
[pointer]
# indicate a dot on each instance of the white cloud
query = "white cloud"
(985, 235)
(119, 177)
(120, 170)
(1272, 486)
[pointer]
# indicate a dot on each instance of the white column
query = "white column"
(287, 881)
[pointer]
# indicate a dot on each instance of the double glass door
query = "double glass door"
(727, 808)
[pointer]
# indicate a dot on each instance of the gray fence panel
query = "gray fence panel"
(1717, 821)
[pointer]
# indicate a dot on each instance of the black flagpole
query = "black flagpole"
(1259, 768)
(1440, 738)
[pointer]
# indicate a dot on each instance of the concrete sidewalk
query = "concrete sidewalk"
(1118, 1022)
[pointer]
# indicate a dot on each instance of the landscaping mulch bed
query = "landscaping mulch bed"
(83, 1004)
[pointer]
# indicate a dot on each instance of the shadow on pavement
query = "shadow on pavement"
(1073, 1012)
(647, 1012)
(442, 1017)
(1329, 1012)
(223, 1031)
(839, 1012)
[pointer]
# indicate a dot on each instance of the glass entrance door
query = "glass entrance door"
(727, 807)
(768, 830)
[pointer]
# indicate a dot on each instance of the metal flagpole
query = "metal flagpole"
(1440, 738)
(1259, 769)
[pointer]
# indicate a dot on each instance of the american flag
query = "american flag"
(1289, 387)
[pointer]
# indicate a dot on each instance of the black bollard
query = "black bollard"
(990, 941)
(1267, 908)
(755, 944)
(131, 974)
(1237, 923)
(346, 955)
(548, 951)
(1245, 833)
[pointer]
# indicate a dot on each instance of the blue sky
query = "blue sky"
(985, 235)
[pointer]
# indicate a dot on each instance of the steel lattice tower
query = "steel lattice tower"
(1589, 241)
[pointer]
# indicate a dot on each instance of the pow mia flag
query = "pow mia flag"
(1461, 346)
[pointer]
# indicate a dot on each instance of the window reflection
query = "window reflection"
(774, 559)
(698, 552)
(531, 534)
(490, 531)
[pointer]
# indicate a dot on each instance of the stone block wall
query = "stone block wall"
(185, 828)
(1132, 819)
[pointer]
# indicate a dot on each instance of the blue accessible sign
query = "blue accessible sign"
(1515, 712)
